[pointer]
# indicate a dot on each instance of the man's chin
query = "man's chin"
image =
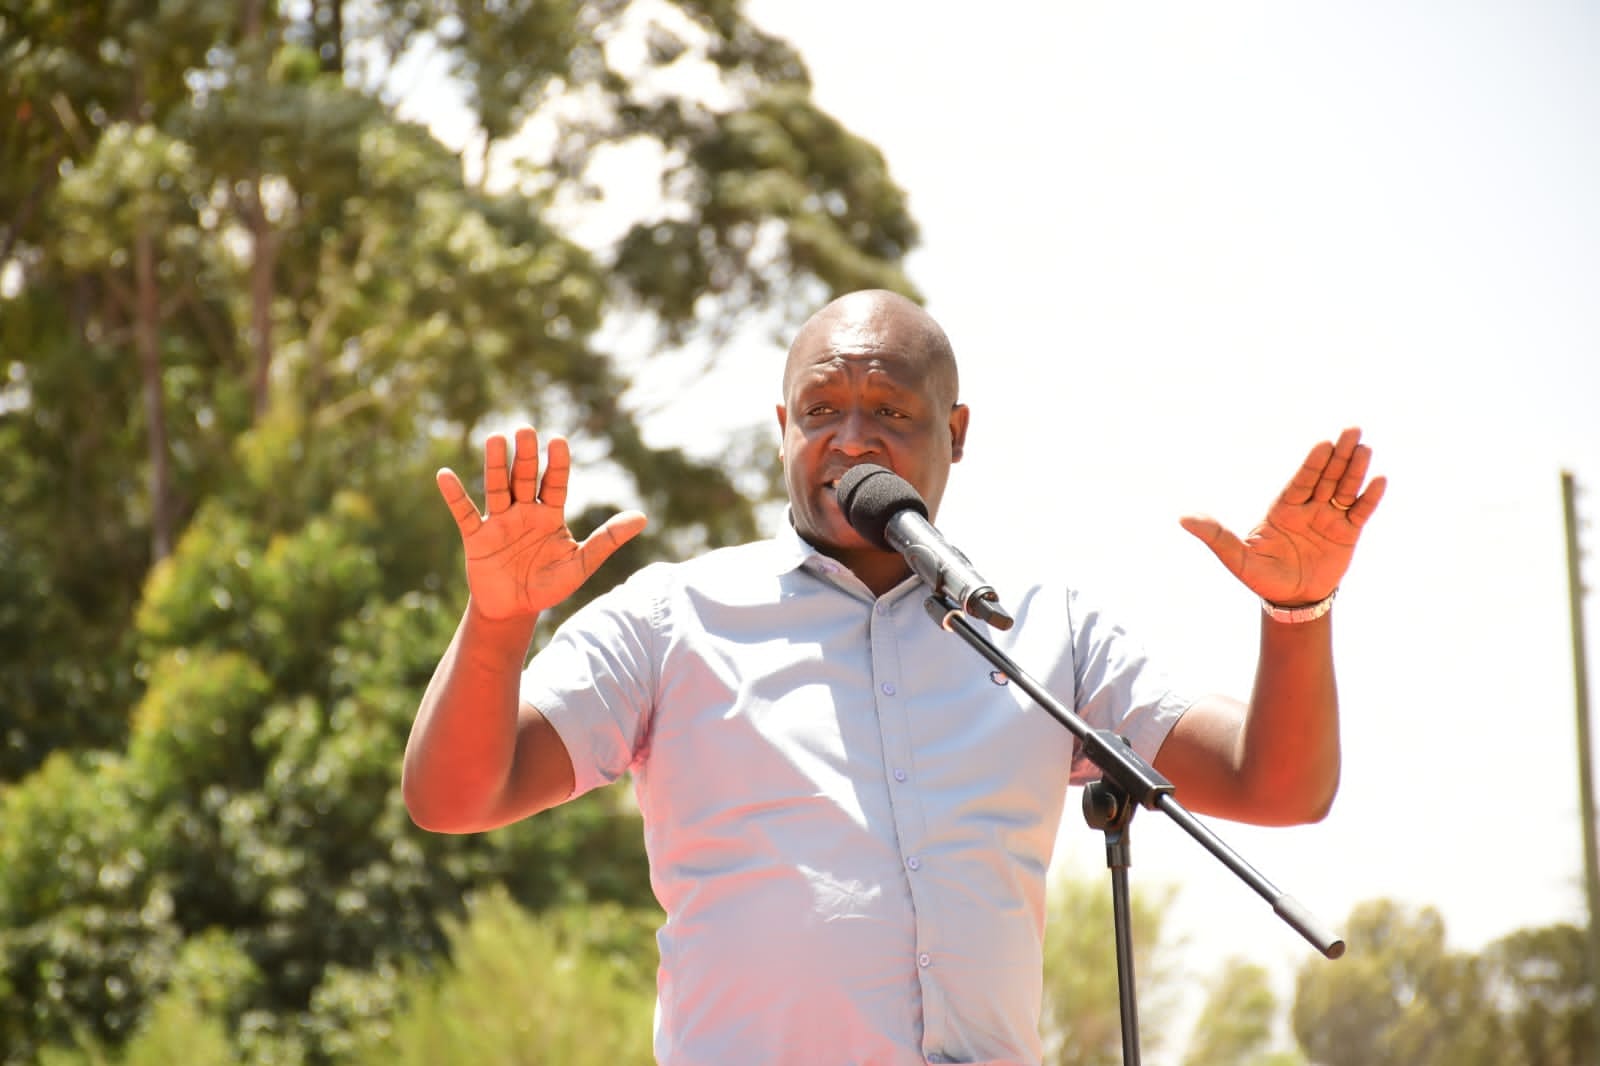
(831, 534)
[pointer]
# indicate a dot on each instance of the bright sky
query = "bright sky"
(1177, 244)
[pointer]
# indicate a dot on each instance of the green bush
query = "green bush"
(572, 985)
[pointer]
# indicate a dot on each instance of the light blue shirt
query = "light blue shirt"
(849, 815)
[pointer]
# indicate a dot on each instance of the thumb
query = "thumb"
(1227, 547)
(461, 506)
(612, 534)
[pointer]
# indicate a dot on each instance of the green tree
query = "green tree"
(87, 925)
(1402, 996)
(1399, 996)
(259, 795)
(187, 1023)
(1541, 982)
(1081, 1021)
(246, 310)
(574, 986)
(218, 212)
(1235, 1025)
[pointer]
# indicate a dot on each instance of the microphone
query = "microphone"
(884, 508)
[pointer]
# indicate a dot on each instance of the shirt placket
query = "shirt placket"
(890, 695)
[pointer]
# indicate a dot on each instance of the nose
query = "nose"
(857, 434)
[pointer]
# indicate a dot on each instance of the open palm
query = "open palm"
(521, 556)
(1300, 551)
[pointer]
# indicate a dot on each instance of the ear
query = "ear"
(783, 427)
(959, 414)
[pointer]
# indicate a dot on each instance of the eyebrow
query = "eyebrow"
(810, 383)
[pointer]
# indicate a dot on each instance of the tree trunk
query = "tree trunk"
(147, 342)
(329, 22)
(263, 259)
(263, 255)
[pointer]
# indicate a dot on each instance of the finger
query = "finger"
(612, 534)
(496, 481)
(1355, 473)
(1368, 501)
(1300, 487)
(455, 497)
(525, 468)
(1338, 462)
(1227, 547)
(558, 468)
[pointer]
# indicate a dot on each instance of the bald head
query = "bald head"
(871, 378)
(862, 322)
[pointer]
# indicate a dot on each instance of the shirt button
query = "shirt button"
(899, 775)
(924, 960)
(914, 862)
(881, 607)
(888, 688)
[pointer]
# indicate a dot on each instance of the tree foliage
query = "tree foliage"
(223, 247)
(1082, 1019)
(1545, 989)
(569, 984)
(573, 985)
(247, 307)
(1236, 1023)
(1401, 995)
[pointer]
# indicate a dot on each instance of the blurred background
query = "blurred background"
(264, 267)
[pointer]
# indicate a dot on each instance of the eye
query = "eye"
(819, 409)
(890, 412)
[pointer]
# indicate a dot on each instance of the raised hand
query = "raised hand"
(521, 557)
(1300, 551)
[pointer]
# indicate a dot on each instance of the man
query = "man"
(848, 817)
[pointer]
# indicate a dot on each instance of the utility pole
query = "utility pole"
(1580, 674)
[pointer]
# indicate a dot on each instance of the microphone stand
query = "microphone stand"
(1129, 782)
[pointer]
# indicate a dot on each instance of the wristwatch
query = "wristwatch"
(1309, 613)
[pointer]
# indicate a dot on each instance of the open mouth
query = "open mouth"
(832, 482)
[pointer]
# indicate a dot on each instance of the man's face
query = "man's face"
(864, 388)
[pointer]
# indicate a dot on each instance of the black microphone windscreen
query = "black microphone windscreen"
(871, 495)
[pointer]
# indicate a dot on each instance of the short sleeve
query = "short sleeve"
(1118, 687)
(596, 678)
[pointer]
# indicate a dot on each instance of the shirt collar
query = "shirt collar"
(791, 551)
